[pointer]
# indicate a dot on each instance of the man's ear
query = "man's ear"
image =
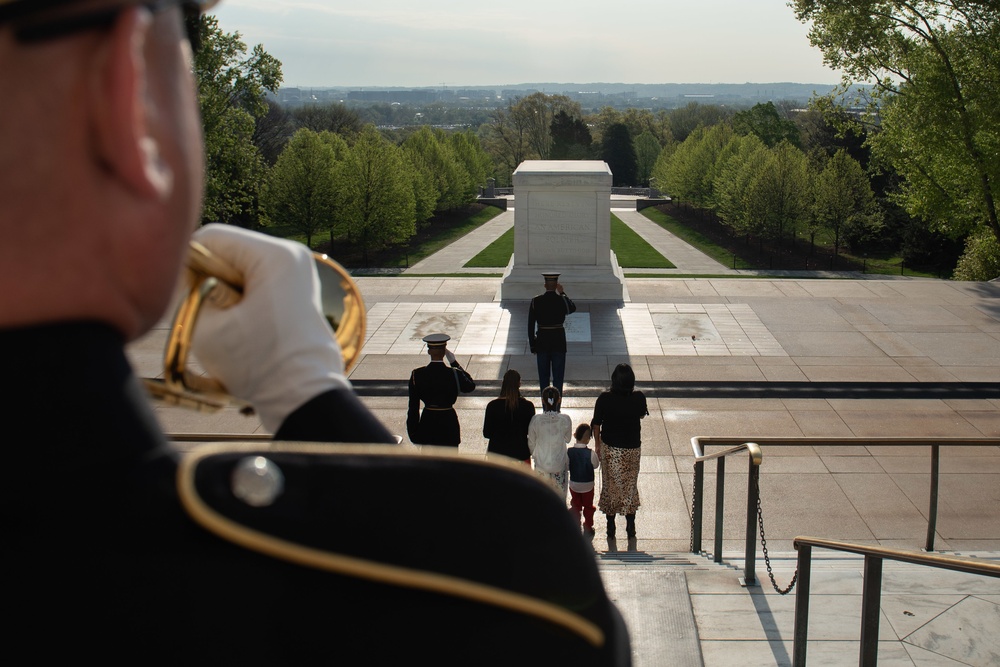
(121, 112)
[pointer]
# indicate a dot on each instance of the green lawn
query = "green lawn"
(886, 265)
(495, 254)
(692, 237)
(632, 250)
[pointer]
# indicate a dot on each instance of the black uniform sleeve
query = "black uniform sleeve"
(570, 306)
(413, 412)
(337, 415)
(465, 381)
(531, 326)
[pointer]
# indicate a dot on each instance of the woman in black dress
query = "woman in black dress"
(617, 439)
(507, 419)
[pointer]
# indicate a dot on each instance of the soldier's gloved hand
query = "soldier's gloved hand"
(450, 356)
(273, 349)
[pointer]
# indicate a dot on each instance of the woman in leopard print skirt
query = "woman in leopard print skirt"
(617, 439)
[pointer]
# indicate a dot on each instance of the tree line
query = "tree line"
(915, 170)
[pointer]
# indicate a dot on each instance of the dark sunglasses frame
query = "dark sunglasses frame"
(28, 29)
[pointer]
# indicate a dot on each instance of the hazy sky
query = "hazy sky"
(463, 42)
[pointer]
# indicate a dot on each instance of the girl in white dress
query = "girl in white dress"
(548, 435)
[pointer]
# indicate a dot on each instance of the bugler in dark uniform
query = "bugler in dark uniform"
(548, 311)
(438, 387)
(123, 546)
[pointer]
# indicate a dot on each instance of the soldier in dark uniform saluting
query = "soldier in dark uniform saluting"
(438, 386)
(548, 343)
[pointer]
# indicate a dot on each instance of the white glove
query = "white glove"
(273, 349)
(450, 356)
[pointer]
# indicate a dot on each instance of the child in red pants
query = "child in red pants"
(582, 463)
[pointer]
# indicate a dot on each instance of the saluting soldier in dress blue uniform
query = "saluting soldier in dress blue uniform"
(548, 343)
(438, 387)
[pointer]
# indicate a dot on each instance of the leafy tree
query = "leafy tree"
(689, 172)
(232, 87)
(235, 171)
(436, 158)
(981, 259)
(782, 190)
(844, 202)
(425, 194)
(571, 138)
(505, 138)
(272, 131)
(469, 152)
(378, 204)
(685, 120)
(228, 77)
(647, 150)
(733, 187)
(332, 117)
(540, 109)
(934, 68)
(764, 121)
(824, 128)
(302, 190)
(636, 120)
(521, 131)
(656, 123)
(617, 151)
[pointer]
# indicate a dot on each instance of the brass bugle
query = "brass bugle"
(210, 279)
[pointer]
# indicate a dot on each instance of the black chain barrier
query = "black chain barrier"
(763, 546)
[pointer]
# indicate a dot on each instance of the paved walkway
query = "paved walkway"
(691, 335)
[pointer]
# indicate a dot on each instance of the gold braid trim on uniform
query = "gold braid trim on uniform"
(359, 567)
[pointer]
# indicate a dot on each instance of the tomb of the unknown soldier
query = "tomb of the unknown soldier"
(562, 224)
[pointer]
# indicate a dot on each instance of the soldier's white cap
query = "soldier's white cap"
(551, 277)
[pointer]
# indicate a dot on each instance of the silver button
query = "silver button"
(257, 481)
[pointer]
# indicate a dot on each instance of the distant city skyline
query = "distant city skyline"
(444, 43)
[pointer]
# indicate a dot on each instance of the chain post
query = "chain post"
(694, 496)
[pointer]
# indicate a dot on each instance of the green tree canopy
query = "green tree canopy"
(469, 152)
(232, 85)
(378, 203)
(844, 202)
(571, 138)
(647, 151)
(332, 117)
(783, 190)
(935, 71)
(434, 156)
(522, 130)
(618, 152)
(685, 120)
(302, 189)
(765, 121)
(689, 172)
(733, 189)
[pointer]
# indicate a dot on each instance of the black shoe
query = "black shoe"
(611, 526)
(630, 525)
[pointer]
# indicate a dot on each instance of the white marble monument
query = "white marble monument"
(562, 223)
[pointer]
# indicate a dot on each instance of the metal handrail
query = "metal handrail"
(697, 504)
(872, 591)
(738, 443)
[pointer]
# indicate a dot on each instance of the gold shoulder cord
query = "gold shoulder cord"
(358, 567)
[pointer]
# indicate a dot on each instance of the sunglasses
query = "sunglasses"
(27, 28)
